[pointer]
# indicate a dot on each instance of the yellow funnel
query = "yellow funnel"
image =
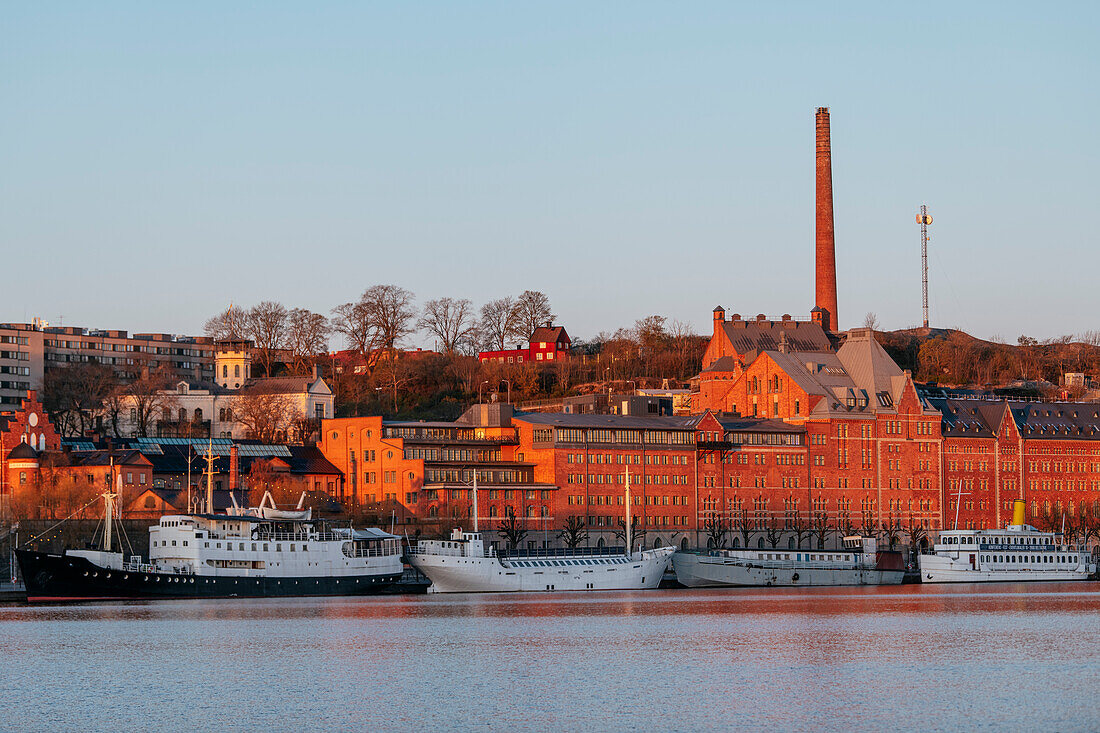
(1018, 512)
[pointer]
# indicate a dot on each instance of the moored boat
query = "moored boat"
(246, 552)
(465, 564)
(858, 563)
(1017, 553)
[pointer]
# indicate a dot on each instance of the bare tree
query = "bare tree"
(773, 532)
(532, 311)
(355, 322)
(452, 323)
(391, 309)
(73, 394)
(743, 526)
(496, 325)
(820, 529)
(229, 325)
(637, 533)
(266, 416)
(306, 337)
(574, 534)
(267, 327)
(870, 321)
(145, 398)
(511, 529)
(716, 528)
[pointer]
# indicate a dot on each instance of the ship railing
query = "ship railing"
(437, 550)
(388, 548)
(299, 537)
(559, 553)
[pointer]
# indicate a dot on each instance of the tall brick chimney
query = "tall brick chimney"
(825, 269)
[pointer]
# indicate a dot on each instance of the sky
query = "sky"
(159, 161)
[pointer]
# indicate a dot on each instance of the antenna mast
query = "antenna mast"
(924, 220)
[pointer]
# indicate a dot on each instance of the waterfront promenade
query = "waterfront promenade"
(991, 657)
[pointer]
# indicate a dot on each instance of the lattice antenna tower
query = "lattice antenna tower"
(924, 220)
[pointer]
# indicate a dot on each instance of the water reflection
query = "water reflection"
(828, 659)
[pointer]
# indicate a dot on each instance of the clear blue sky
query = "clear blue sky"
(158, 161)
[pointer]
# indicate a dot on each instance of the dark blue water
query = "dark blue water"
(922, 658)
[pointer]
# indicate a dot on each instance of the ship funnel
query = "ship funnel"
(1018, 512)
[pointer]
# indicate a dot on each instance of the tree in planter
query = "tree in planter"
(716, 528)
(637, 533)
(574, 534)
(511, 530)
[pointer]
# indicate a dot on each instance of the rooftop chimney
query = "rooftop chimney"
(826, 245)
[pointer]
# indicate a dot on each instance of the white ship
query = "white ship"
(463, 564)
(1019, 552)
(859, 563)
(260, 551)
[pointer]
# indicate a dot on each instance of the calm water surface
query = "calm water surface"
(991, 657)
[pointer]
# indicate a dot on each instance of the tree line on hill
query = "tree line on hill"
(1034, 367)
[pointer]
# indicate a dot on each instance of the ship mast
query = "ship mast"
(629, 538)
(109, 508)
(210, 476)
(475, 498)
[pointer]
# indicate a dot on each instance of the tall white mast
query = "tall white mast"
(210, 476)
(475, 498)
(109, 508)
(629, 538)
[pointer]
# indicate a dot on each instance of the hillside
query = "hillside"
(955, 358)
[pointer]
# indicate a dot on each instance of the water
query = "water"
(990, 657)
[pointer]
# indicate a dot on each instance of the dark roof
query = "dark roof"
(755, 336)
(570, 420)
(23, 450)
(758, 425)
(722, 364)
(279, 385)
(980, 418)
(310, 459)
(549, 334)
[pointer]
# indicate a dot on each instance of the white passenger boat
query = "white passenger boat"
(261, 551)
(1019, 552)
(859, 563)
(464, 564)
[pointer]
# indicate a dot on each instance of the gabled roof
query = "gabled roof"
(981, 418)
(750, 337)
(549, 334)
(286, 385)
(723, 364)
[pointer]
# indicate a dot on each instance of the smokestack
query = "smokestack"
(826, 245)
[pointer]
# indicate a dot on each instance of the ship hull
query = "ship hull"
(701, 571)
(51, 577)
(937, 569)
(456, 574)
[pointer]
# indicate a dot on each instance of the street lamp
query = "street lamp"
(631, 381)
(483, 383)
